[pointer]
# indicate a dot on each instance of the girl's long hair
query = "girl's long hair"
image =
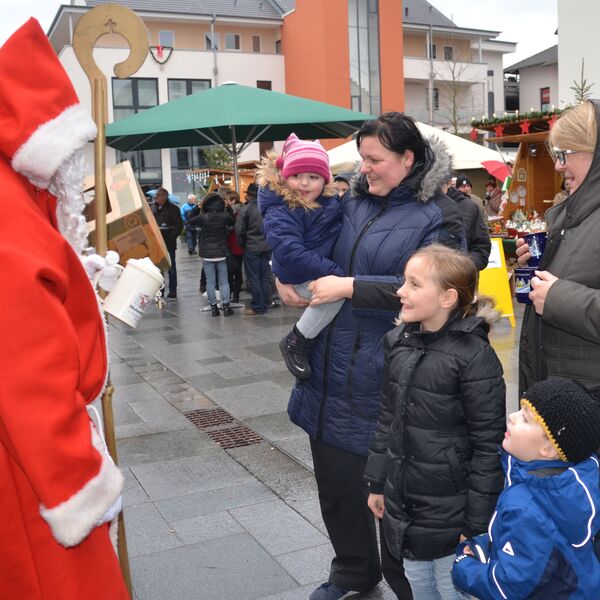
(455, 270)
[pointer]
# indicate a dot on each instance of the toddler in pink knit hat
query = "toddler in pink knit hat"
(301, 220)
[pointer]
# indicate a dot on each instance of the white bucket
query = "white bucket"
(134, 291)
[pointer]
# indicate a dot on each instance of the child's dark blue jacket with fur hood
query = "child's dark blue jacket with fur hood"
(301, 236)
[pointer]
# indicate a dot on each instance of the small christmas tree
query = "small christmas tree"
(581, 89)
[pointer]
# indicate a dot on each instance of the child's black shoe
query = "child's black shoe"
(295, 349)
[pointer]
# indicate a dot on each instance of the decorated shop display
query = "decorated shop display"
(533, 182)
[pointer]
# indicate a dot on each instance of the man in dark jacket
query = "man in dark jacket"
(476, 233)
(257, 253)
(170, 223)
(463, 184)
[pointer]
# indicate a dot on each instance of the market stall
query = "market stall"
(534, 181)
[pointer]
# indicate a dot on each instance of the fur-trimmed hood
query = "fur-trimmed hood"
(268, 175)
(427, 176)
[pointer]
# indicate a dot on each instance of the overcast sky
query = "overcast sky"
(530, 23)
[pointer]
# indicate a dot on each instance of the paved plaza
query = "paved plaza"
(206, 517)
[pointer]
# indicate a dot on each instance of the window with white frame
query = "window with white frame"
(166, 38)
(178, 88)
(211, 41)
(232, 41)
(256, 43)
(448, 53)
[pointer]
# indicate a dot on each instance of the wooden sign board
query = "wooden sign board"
(493, 281)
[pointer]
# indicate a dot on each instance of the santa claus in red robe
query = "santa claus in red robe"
(57, 484)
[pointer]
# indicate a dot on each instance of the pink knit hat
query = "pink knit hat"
(303, 157)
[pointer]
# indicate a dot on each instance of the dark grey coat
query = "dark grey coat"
(565, 340)
(249, 228)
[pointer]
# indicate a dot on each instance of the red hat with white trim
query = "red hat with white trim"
(42, 122)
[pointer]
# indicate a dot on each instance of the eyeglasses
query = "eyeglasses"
(560, 155)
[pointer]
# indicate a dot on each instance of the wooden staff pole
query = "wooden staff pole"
(99, 110)
(109, 18)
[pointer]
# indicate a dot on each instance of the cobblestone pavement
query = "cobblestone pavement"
(220, 500)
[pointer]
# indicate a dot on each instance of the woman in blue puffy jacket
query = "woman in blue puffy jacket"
(395, 209)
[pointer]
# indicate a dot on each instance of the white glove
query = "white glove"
(111, 271)
(103, 271)
(92, 263)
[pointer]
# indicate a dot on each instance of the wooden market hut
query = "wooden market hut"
(534, 181)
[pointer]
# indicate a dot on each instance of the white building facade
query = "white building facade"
(578, 29)
(206, 52)
(538, 81)
(451, 74)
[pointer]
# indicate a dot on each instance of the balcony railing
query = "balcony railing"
(444, 70)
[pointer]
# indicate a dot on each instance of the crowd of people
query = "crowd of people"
(405, 417)
(397, 385)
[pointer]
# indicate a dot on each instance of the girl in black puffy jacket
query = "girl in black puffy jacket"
(433, 468)
(215, 222)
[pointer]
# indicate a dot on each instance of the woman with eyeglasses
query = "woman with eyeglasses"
(561, 328)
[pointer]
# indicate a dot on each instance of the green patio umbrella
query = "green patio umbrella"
(232, 114)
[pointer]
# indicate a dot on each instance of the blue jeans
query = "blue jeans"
(191, 236)
(258, 272)
(173, 272)
(431, 579)
(214, 269)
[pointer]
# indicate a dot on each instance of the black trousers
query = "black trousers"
(351, 525)
(234, 270)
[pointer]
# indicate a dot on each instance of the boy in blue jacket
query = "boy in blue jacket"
(301, 220)
(540, 539)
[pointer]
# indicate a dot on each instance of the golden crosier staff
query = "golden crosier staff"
(109, 18)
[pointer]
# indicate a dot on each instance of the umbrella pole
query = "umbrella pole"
(94, 24)
(234, 157)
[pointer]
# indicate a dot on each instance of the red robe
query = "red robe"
(54, 483)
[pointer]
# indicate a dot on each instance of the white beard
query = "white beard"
(67, 186)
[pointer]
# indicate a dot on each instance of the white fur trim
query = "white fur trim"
(72, 520)
(52, 143)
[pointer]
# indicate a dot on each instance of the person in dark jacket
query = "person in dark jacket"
(214, 221)
(434, 456)
(170, 223)
(540, 540)
(301, 219)
(395, 209)
(342, 183)
(476, 232)
(235, 255)
(560, 336)
(463, 184)
(257, 253)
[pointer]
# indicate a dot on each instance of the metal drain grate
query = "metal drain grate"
(222, 428)
(234, 437)
(209, 417)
